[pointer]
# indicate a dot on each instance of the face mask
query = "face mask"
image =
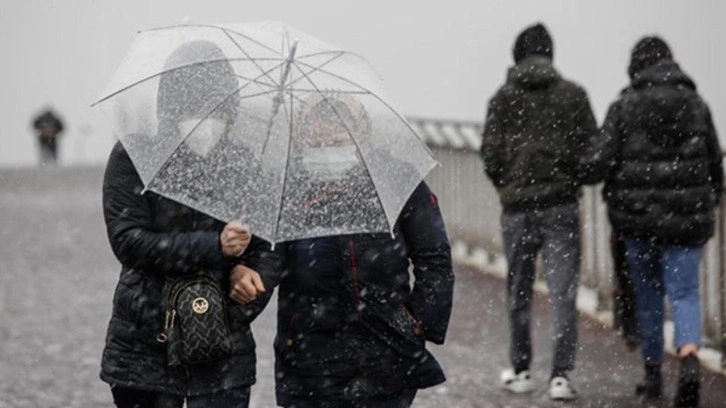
(329, 163)
(205, 136)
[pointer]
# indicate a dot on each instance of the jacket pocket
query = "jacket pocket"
(128, 296)
(395, 326)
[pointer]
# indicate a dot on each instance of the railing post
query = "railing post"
(722, 277)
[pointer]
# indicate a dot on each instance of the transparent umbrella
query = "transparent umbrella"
(265, 123)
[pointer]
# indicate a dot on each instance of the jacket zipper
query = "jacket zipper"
(354, 272)
(188, 379)
(288, 333)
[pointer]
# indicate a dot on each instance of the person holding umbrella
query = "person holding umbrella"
(351, 332)
(157, 239)
(281, 139)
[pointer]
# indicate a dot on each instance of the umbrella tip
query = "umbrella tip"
(185, 20)
(293, 49)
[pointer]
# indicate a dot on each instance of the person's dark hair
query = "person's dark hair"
(648, 51)
(199, 77)
(534, 40)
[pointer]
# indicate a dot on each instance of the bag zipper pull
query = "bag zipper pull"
(168, 324)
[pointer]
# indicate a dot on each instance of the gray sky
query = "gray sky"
(443, 59)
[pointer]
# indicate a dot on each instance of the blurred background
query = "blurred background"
(438, 59)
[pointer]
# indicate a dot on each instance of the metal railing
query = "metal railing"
(471, 209)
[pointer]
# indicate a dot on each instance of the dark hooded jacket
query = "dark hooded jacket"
(154, 237)
(661, 159)
(350, 326)
(537, 126)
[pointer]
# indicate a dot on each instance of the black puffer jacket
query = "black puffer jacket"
(537, 126)
(154, 237)
(349, 325)
(661, 159)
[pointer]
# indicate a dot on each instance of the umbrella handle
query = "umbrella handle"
(247, 230)
(245, 225)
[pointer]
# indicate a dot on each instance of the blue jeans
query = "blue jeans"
(657, 271)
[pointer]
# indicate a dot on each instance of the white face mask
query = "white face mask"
(205, 136)
(329, 163)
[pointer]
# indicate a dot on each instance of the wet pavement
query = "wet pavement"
(57, 276)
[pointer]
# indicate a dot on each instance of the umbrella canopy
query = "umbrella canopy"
(265, 123)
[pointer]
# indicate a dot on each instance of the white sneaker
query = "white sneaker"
(560, 389)
(517, 383)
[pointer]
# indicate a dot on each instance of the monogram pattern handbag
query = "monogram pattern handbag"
(196, 327)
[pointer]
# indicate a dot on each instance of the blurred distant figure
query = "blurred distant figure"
(661, 161)
(537, 126)
(48, 128)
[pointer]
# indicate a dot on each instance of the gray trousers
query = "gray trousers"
(555, 232)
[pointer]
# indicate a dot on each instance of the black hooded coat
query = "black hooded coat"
(661, 160)
(537, 126)
(155, 238)
(350, 326)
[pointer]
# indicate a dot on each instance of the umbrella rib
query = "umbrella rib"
(371, 67)
(350, 133)
(248, 38)
(314, 69)
(172, 70)
(282, 89)
(292, 83)
(315, 54)
(248, 56)
(268, 85)
(373, 94)
(342, 78)
(302, 90)
(215, 27)
(238, 90)
(255, 81)
(310, 72)
(275, 89)
(258, 94)
(287, 166)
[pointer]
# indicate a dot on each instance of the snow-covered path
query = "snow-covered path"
(57, 274)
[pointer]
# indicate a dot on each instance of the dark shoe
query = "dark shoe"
(652, 385)
(689, 383)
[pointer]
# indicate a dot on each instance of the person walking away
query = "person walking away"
(536, 126)
(661, 161)
(48, 128)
